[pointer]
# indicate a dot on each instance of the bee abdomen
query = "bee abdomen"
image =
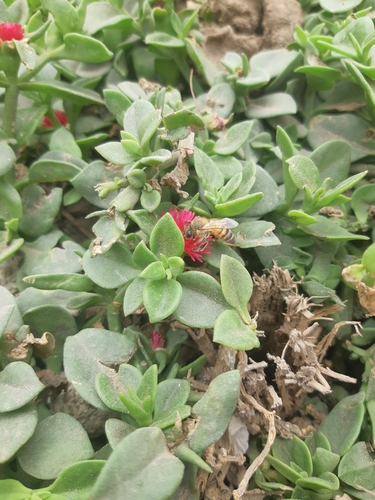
(229, 237)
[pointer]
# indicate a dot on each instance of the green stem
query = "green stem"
(10, 110)
(45, 58)
(309, 104)
(113, 317)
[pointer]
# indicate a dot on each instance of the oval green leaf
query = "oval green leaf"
(14, 392)
(161, 297)
(121, 477)
(48, 452)
(112, 269)
(94, 349)
(202, 300)
(232, 332)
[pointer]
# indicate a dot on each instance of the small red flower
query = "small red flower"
(194, 247)
(11, 31)
(59, 115)
(157, 340)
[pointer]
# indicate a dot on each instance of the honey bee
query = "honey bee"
(220, 229)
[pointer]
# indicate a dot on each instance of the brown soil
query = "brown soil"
(248, 26)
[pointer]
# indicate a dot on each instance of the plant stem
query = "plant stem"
(10, 110)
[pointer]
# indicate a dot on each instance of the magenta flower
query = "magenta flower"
(59, 115)
(11, 31)
(157, 340)
(193, 247)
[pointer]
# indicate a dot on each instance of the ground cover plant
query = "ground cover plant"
(195, 252)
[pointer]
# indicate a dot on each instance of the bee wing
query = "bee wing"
(220, 224)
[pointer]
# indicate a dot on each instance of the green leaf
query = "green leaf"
(220, 400)
(161, 297)
(65, 15)
(127, 199)
(54, 166)
(357, 466)
(238, 206)
(109, 387)
(255, 234)
(133, 298)
(176, 265)
(287, 150)
(148, 384)
(273, 61)
(235, 137)
(221, 99)
(86, 180)
(40, 210)
(10, 316)
(48, 452)
(72, 282)
(54, 319)
(255, 79)
(116, 430)
(231, 331)
(324, 461)
(108, 231)
(327, 229)
(148, 126)
(272, 198)
(154, 271)
(202, 300)
(82, 48)
(101, 15)
(362, 199)
(327, 481)
(115, 153)
(63, 140)
(7, 249)
(76, 481)
(170, 394)
(116, 102)
(301, 455)
(301, 218)
(336, 6)
(150, 200)
(14, 392)
(237, 285)
(284, 469)
(182, 118)
(230, 187)
(185, 454)
(22, 422)
(10, 202)
(218, 249)
(332, 159)
(304, 173)
(346, 127)
(204, 65)
(14, 490)
(42, 256)
(159, 39)
(63, 90)
(121, 477)
(331, 195)
(142, 256)
(166, 238)
(271, 105)
(112, 269)
(207, 171)
(343, 424)
(94, 349)
(7, 158)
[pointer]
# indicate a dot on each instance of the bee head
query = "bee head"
(188, 232)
